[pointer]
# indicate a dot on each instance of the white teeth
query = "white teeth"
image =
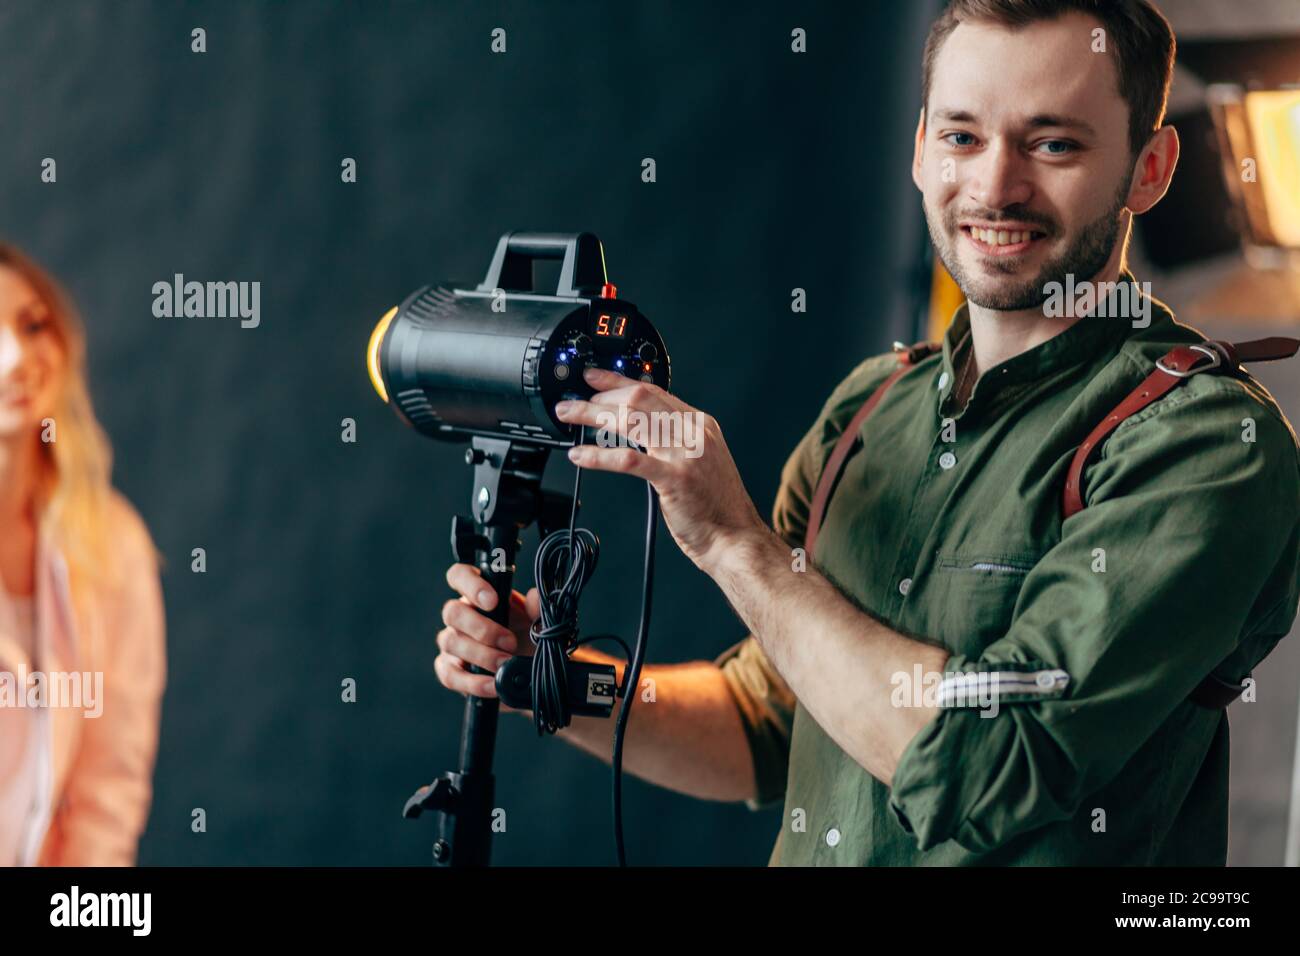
(1001, 237)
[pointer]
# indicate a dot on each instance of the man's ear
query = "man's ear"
(1154, 170)
(917, 148)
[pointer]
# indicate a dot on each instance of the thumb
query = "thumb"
(533, 603)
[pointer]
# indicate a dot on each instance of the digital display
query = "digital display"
(611, 326)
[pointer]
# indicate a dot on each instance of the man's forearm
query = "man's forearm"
(837, 660)
(688, 738)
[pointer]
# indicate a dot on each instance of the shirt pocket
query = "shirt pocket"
(977, 596)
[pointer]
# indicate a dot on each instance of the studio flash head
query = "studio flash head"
(495, 359)
(487, 365)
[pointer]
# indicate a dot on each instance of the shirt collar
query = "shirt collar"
(1077, 345)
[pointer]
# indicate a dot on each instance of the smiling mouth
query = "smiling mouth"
(1002, 242)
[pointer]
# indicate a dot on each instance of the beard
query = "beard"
(1083, 258)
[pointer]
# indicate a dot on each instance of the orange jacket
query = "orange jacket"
(96, 771)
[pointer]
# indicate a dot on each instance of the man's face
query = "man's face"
(1025, 163)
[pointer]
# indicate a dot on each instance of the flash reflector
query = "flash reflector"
(493, 360)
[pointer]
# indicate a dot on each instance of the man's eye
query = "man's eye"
(36, 326)
(959, 139)
(1057, 147)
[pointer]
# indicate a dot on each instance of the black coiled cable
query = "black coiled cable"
(564, 563)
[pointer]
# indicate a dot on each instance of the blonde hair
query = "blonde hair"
(74, 488)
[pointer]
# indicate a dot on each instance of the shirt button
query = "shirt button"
(947, 460)
(904, 586)
(943, 381)
(832, 837)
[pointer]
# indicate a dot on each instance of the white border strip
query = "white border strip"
(979, 688)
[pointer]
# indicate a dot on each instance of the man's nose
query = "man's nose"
(11, 351)
(1000, 178)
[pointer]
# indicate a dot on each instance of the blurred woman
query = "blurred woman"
(81, 618)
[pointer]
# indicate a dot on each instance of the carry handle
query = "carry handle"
(582, 272)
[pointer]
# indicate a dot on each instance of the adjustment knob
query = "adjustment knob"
(580, 343)
(647, 352)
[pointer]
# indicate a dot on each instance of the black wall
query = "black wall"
(325, 560)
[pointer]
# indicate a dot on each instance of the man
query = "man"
(944, 552)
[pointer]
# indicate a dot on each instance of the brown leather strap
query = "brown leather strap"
(907, 358)
(1171, 370)
(1262, 350)
(1175, 366)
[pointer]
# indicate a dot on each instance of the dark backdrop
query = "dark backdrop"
(325, 560)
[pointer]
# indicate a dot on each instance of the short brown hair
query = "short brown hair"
(1137, 33)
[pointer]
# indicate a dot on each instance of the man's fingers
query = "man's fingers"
(608, 383)
(528, 605)
(470, 651)
(577, 412)
(522, 614)
(457, 613)
(626, 461)
(472, 639)
(451, 672)
(610, 410)
(467, 581)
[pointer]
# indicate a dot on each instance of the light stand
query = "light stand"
(507, 498)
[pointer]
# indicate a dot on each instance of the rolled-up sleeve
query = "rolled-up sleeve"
(1186, 553)
(766, 707)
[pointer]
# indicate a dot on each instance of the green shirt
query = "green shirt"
(1185, 561)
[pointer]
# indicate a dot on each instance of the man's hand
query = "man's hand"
(472, 638)
(838, 661)
(704, 502)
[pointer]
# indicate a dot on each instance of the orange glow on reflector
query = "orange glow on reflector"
(372, 353)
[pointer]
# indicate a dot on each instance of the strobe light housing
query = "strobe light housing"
(493, 360)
